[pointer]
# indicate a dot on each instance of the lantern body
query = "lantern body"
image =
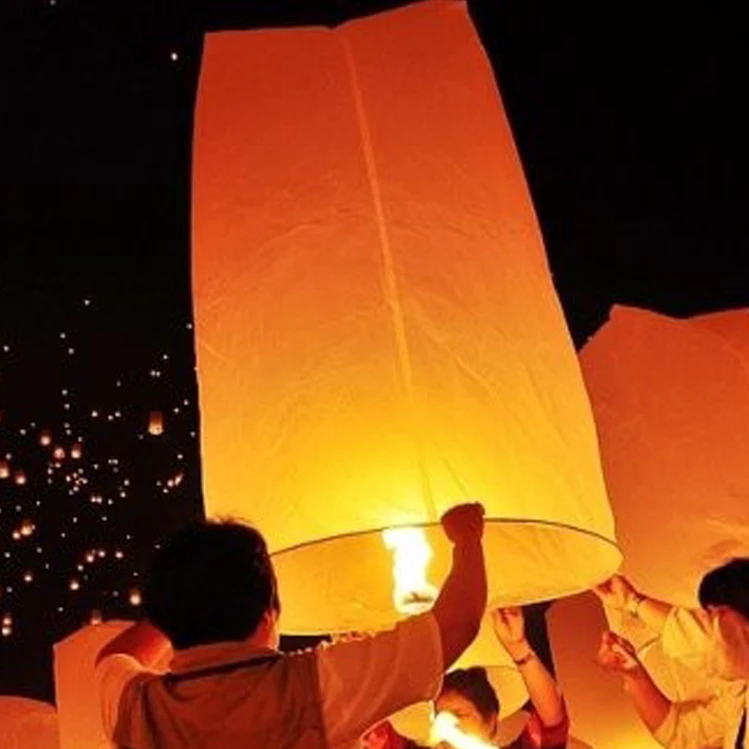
(27, 724)
(76, 689)
(671, 399)
(378, 337)
(601, 713)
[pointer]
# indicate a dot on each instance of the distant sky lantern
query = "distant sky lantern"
(20, 477)
(156, 423)
(45, 437)
(4, 469)
(672, 404)
(59, 453)
(378, 337)
(76, 451)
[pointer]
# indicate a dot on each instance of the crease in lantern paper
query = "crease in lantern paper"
(390, 281)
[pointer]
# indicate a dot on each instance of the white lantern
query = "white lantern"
(671, 399)
(378, 337)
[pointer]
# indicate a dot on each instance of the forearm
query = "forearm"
(543, 691)
(651, 611)
(462, 600)
(142, 641)
(650, 703)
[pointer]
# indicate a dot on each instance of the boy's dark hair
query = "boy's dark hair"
(474, 685)
(727, 585)
(211, 582)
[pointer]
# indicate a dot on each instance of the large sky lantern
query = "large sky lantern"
(671, 399)
(27, 724)
(378, 336)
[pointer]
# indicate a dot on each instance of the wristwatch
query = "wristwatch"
(529, 656)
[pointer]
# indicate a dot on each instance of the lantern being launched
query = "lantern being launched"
(672, 405)
(378, 337)
(412, 593)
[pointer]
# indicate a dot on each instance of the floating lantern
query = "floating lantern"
(4, 469)
(671, 399)
(27, 528)
(20, 477)
(45, 438)
(58, 453)
(76, 451)
(74, 584)
(135, 597)
(156, 423)
(378, 337)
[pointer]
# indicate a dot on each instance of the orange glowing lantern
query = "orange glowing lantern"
(601, 713)
(378, 337)
(58, 453)
(28, 724)
(76, 451)
(671, 399)
(45, 438)
(20, 477)
(4, 469)
(75, 686)
(156, 423)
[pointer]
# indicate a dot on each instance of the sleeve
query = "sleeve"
(112, 675)
(364, 681)
(693, 725)
(686, 637)
(536, 735)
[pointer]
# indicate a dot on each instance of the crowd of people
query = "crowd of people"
(229, 686)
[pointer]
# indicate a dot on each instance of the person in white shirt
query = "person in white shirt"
(212, 597)
(713, 640)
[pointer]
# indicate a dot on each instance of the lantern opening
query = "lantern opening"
(412, 592)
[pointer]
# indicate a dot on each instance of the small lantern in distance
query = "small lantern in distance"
(156, 423)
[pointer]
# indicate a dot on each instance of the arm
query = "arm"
(619, 594)
(687, 725)
(363, 681)
(462, 600)
(509, 626)
(142, 641)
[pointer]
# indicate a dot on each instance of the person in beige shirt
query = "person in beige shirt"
(713, 640)
(212, 597)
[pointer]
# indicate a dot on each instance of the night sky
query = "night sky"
(630, 123)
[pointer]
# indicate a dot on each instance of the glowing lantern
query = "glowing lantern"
(27, 528)
(135, 597)
(156, 423)
(59, 453)
(76, 451)
(28, 724)
(74, 584)
(45, 438)
(601, 713)
(4, 469)
(20, 477)
(75, 686)
(415, 721)
(671, 399)
(378, 337)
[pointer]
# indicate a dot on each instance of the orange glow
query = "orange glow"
(45, 438)
(445, 728)
(156, 423)
(4, 469)
(378, 337)
(412, 593)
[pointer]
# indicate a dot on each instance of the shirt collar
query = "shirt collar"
(214, 654)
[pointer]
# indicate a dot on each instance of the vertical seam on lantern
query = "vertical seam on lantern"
(390, 282)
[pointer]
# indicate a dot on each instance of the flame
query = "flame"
(445, 728)
(412, 592)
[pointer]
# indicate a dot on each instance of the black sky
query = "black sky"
(630, 121)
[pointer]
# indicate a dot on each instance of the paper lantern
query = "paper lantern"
(671, 399)
(378, 337)
(156, 423)
(601, 713)
(75, 687)
(504, 676)
(4, 469)
(27, 724)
